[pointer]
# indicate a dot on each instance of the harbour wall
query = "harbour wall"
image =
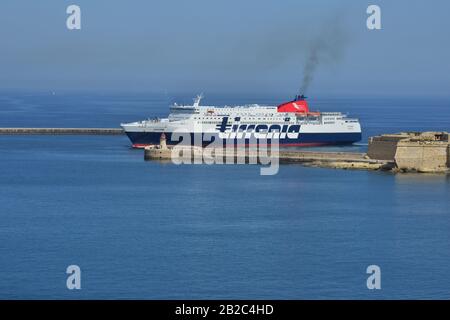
(413, 151)
(422, 157)
(448, 156)
(61, 131)
(384, 146)
(403, 152)
(343, 160)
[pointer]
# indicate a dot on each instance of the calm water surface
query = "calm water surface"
(156, 230)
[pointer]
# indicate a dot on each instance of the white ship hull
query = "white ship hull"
(245, 125)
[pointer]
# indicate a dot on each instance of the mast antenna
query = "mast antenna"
(198, 99)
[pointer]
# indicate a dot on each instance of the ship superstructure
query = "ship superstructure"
(292, 123)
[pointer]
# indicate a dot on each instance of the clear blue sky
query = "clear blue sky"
(224, 46)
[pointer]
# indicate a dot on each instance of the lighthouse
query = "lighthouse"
(162, 141)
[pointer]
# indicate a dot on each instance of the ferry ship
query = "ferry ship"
(292, 123)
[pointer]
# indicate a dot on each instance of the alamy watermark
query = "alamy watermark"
(374, 280)
(233, 144)
(74, 279)
(374, 20)
(73, 21)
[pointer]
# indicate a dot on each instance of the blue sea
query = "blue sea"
(152, 230)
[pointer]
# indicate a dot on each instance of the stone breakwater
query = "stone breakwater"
(61, 131)
(341, 160)
(427, 152)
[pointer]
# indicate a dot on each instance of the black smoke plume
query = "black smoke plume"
(327, 47)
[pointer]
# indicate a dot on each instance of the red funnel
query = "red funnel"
(297, 105)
